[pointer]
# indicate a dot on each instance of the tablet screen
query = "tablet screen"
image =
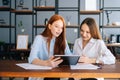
(68, 59)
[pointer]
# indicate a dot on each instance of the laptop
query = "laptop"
(68, 59)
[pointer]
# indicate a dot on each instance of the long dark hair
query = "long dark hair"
(93, 27)
(60, 44)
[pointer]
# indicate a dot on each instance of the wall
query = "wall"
(72, 33)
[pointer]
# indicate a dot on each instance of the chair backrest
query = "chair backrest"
(22, 42)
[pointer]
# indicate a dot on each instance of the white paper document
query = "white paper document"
(32, 66)
(84, 66)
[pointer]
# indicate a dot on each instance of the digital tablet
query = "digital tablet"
(68, 59)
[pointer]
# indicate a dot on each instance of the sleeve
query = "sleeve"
(105, 54)
(67, 49)
(35, 48)
(76, 49)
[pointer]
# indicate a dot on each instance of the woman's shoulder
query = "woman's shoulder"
(78, 39)
(99, 41)
(39, 37)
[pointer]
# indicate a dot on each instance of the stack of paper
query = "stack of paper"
(32, 66)
(84, 66)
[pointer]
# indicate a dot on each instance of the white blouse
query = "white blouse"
(95, 48)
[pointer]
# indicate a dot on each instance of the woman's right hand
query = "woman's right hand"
(85, 59)
(54, 62)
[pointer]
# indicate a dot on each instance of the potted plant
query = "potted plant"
(20, 25)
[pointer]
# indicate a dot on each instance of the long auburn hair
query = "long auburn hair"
(60, 44)
(93, 27)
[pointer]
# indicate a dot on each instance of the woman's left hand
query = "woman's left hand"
(53, 62)
(84, 59)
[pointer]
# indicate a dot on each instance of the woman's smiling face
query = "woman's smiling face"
(85, 32)
(56, 28)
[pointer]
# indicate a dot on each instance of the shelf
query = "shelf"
(72, 26)
(110, 26)
(67, 8)
(111, 8)
(39, 26)
(67, 26)
(23, 12)
(6, 26)
(47, 8)
(5, 8)
(113, 44)
(91, 12)
(54, 7)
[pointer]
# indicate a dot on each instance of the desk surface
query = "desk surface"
(9, 69)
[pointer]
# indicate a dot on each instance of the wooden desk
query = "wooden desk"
(9, 69)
